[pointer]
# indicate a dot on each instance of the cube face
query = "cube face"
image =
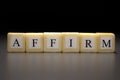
(16, 42)
(34, 42)
(106, 42)
(52, 42)
(70, 42)
(88, 42)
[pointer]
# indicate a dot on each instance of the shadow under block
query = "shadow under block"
(52, 42)
(16, 42)
(106, 42)
(34, 42)
(88, 42)
(70, 42)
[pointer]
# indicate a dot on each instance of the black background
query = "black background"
(53, 22)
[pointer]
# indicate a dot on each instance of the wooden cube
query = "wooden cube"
(52, 42)
(70, 42)
(88, 42)
(34, 42)
(16, 42)
(106, 42)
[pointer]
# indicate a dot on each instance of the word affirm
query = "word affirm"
(61, 42)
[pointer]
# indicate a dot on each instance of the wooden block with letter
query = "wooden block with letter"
(52, 42)
(106, 42)
(70, 42)
(16, 42)
(34, 42)
(88, 42)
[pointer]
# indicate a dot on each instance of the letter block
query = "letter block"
(52, 42)
(106, 42)
(88, 42)
(34, 42)
(16, 42)
(70, 42)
